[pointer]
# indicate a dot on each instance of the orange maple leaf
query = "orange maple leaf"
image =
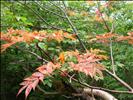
(62, 57)
(106, 36)
(71, 13)
(5, 46)
(69, 36)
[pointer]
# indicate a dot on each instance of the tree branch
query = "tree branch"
(46, 93)
(100, 93)
(99, 88)
(112, 59)
(39, 16)
(72, 26)
(45, 53)
(33, 53)
(44, 8)
(120, 80)
(66, 16)
(110, 44)
(111, 50)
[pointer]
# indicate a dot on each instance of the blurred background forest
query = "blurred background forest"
(44, 15)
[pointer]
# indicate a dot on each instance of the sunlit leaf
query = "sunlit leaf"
(62, 57)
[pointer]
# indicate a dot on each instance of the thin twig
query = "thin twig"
(119, 80)
(112, 59)
(39, 16)
(40, 51)
(49, 10)
(72, 26)
(111, 51)
(111, 55)
(99, 88)
(33, 53)
(110, 44)
(45, 53)
(46, 93)
(40, 58)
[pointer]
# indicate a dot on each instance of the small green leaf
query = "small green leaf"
(49, 84)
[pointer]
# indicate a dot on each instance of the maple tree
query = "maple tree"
(87, 63)
(60, 60)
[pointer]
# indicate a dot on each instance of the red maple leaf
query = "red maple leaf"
(87, 63)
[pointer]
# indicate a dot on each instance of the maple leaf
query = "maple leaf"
(98, 18)
(71, 13)
(104, 38)
(84, 13)
(25, 83)
(58, 35)
(99, 56)
(48, 68)
(41, 35)
(62, 57)
(45, 69)
(37, 74)
(42, 69)
(87, 63)
(41, 78)
(69, 36)
(21, 89)
(104, 57)
(34, 84)
(122, 38)
(96, 51)
(5, 46)
(5, 37)
(28, 86)
(30, 83)
(127, 38)
(10, 39)
(68, 54)
(130, 41)
(28, 37)
(86, 68)
(130, 33)
(13, 36)
(72, 53)
(27, 91)
(31, 78)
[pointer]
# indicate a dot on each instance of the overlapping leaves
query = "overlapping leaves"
(88, 64)
(32, 81)
(14, 36)
(105, 38)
